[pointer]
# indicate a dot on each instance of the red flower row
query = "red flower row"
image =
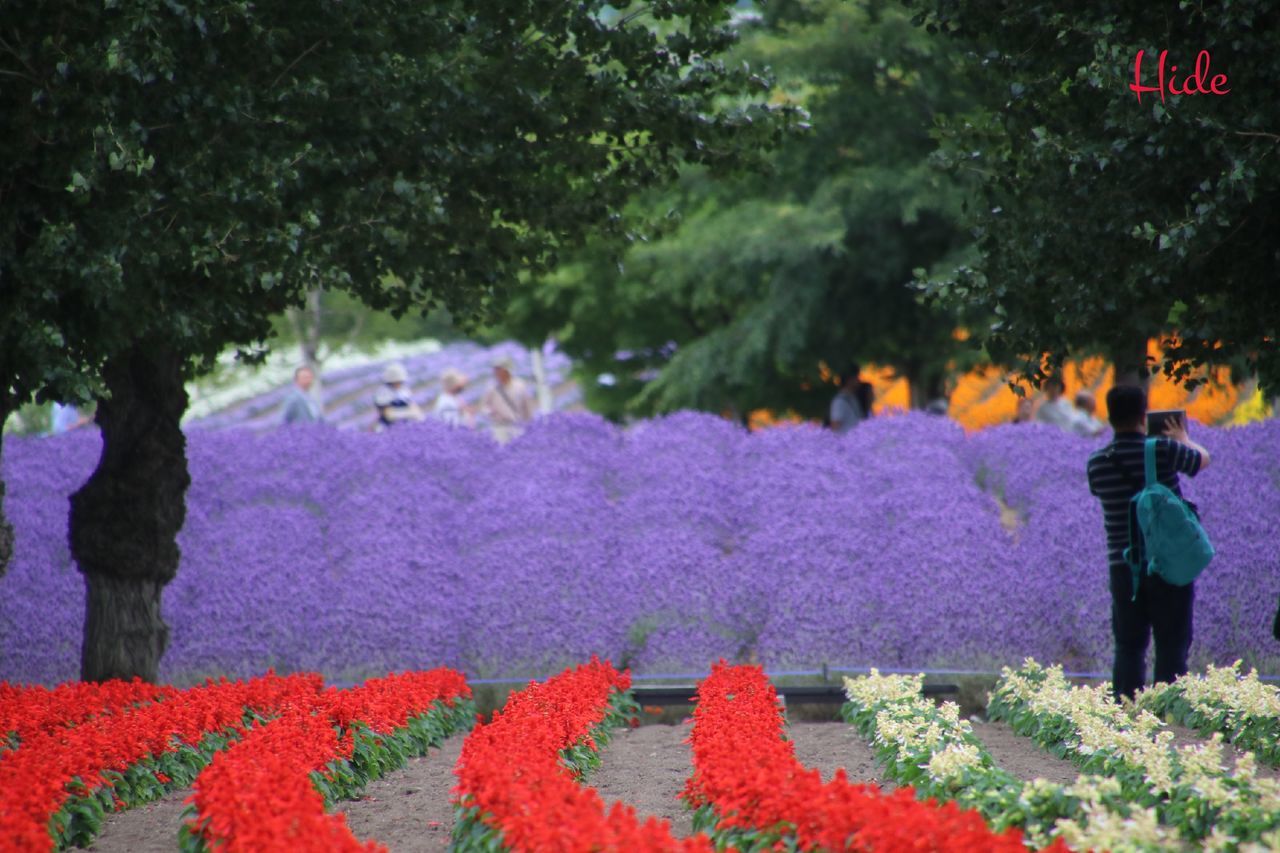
(386, 704)
(37, 777)
(510, 776)
(26, 710)
(258, 795)
(749, 774)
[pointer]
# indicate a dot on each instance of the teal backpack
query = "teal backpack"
(1175, 546)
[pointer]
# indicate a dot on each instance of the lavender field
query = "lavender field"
(664, 546)
(348, 391)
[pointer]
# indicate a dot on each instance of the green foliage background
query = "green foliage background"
(1107, 220)
(739, 288)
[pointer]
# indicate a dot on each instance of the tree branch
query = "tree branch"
(290, 66)
(1275, 136)
(33, 81)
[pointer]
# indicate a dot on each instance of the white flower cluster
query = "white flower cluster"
(1108, 821)
(1095, 731)
(913, 735)
(1186, 788)
(1243, 708)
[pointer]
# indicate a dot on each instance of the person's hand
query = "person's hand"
(1176, 429)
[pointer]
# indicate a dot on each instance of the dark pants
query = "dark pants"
(1160, 609)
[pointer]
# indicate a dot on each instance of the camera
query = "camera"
(1157, 420)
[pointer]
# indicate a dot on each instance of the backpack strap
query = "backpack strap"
(1149, 458)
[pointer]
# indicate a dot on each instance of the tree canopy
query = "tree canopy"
(191, 169)
(744, 286)
(1111, 215)
(175, 174)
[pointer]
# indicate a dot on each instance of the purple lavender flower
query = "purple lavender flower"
(666, 545)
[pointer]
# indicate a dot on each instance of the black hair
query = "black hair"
(1126, 404)
(850, 374)
(865, 395)
(1055, 380)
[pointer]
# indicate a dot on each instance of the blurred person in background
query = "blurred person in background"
(939, 397)
(508, 402)
(449, 406)
(1116, 473)
(1022, 414)
(866, 394)
(65, 418)
(300, 407)
(393, 400)
(1056, 408)
(846, 411)
(1086, 422)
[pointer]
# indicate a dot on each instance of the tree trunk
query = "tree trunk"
(124, 632)
(308, 326)
(124, 521)
(540, 381)
(1130, 361)
(6, 529)
(924, 385)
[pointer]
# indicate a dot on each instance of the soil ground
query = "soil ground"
(647, 767)
(152, 828)
(1021, 756)
(409, 810)
(1183, 736)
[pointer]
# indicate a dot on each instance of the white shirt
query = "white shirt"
(448, 408)
(1058, 412)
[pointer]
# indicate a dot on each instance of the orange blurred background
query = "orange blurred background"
(983, 398)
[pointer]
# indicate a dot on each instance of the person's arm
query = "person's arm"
(1176, 429)
(1093, 474)
(395, 414)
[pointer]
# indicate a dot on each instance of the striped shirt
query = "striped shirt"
(1115, 489)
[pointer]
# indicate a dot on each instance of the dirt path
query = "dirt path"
(1183, 736)
(409, 809)
(1024, 759)
(152, 828)
(1021, 756)
(826, 746)
(647, 768)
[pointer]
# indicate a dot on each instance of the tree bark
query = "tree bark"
(125, 520)
(124, 632)
(1130, 361)
(6, 529)
(540, 380)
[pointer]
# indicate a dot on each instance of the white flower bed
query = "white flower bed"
(1242, 708)
(935, 751)
(1187, 789)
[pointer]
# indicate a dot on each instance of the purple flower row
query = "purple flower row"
(348, 392)
(663, 546)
